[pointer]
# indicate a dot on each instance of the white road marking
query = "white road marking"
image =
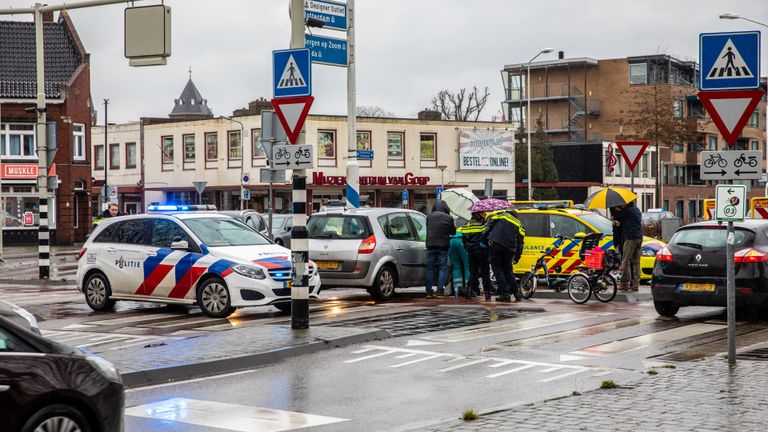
(240, 418)
(621, 346)
(416, 342)
(509, 371)
(472, 363)
(417, 360)
(135, 318)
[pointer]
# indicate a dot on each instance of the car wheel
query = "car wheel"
(284, 308)
(214, 299)
(666, 309)
(98, 292)
(57, 418)
(384, 286)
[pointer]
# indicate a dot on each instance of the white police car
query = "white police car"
(174, 256)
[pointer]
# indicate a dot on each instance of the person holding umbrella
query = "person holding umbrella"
(479, 268)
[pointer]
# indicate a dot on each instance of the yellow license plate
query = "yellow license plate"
(702, 287)
(327, 265)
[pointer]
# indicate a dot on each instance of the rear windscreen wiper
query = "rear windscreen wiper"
(692, 245)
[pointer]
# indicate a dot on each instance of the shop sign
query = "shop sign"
(486, 150)
(28, 219)
(20, 171)
(319, 178)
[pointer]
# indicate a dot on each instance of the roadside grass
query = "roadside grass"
(608, 384)
(652, 372)
(469, 415)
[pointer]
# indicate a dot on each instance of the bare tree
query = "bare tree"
(373, 111)
(461, 105)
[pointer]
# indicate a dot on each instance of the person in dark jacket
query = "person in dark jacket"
(618, 236)
(631, 223)
(440, 228)
(479, 268)
(111, 211)
(505, 237)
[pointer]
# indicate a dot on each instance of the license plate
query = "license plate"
(289, 284)
(327, 265)
(701, 287)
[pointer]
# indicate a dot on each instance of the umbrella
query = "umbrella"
(489, 204)
(458, 201)
(610, 197)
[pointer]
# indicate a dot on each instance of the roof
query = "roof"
(17, 59)
(746, 223)
(568, 62)
(191, 103)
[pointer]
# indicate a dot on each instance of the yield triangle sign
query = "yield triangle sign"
(730, 110)
(292, 112)
(632, 151)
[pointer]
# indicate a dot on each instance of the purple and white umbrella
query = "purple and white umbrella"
(489, 204)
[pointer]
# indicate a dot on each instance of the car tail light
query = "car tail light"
(81, 253)
(368, 245)
(750, 255)
(664, 255)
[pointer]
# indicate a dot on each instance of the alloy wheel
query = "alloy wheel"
(215, 297)
(386, 283)
(58, 424)
(96, 291)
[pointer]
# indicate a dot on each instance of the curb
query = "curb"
(227, 365)
(620, 296)
(38, 282)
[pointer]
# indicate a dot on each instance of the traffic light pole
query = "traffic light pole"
(43, 232)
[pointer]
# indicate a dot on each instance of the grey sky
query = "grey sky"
(407, 50)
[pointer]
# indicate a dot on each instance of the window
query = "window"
(114, 156)
(11, 343)
(679, 208)
(428, 146)
(130, 155)
(326, 144)
(211, 146)
(78, 141)
(167, 149)
(189, 148)
(395, 145)
(397, 227)
(165, 232)
(741, 144)
(677, 109)
(98, 157)
(754, 119)
(536, 225)
(257, 149)
(17, 141)
(337, 227)
(712, 139)
(565, 226)
(755, 145)
(364, 140)
(638, 73)
(235, 145)
(420, 222)
(132, 231)
(215, 232)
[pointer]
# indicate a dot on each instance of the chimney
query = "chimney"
(560, 55)
(48, 17)
(428, 114)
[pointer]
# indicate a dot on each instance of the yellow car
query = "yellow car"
(542, 226)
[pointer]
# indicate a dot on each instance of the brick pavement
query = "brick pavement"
(696, 396)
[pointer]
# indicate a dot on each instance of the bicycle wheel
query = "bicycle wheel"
(606, 288)
(528, 284)
(578, 288)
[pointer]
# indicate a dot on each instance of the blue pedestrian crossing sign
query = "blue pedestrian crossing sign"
(291, 73)
(729, 61)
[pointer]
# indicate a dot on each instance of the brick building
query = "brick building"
(69, 115)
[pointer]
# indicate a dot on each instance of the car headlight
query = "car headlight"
(647, 252)
(106, 368)
(249, 271)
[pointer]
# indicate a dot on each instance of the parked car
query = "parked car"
(19, 315)
(281, 229)
(691, 269)
(378, 249)
(652, 221)
(250, 217)
(45, 386)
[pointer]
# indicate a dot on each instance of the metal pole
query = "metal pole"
(353, 167)
(43, 233)
(528, 126)
(632, 180)
(2, 199)
(271, 210)
(106, 155)
(242, 166)
(299, 237)
(731, 296)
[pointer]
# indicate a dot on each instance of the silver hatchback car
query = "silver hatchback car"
(378, 249)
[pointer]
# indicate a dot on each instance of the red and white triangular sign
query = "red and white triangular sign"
(52, 171)
(292, 112)
(730, 110)
(632, 151)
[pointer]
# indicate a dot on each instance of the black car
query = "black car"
(690, 271)
(46, 386)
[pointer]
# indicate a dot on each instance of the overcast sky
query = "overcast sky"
(407, 50)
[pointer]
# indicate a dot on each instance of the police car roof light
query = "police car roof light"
(180, 208)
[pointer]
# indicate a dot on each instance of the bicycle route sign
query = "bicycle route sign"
(730, 202)
(731, 165)
(298, 156)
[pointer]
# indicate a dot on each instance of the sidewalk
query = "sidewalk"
(697, 396)
(21, 265)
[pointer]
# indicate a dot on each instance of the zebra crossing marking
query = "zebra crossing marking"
(729, 63)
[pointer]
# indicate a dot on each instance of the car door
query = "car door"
(167, 272)
(567, 226)
(419, 247)
(401, 239)
(537, 239)
(124, 256)
(21, 368)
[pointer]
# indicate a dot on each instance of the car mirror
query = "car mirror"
(180, 245)
(580, 235)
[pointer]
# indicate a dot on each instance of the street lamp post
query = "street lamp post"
(442, 169)
(242, 158)
(528, 117)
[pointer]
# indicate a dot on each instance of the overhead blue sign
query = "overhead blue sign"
(291, 73)
(326, 50)
(438, 191)
(729, 61)
(333, 14)
(365, 154)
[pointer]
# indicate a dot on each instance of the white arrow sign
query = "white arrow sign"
(731, 165)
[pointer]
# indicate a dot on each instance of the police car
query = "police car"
(179, 254)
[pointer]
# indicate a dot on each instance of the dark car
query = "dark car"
(690, 271)
(46, 386)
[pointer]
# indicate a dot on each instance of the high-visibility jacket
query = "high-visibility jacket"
(472, 232)
(505, 230)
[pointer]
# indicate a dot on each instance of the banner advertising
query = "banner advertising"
(486, 150)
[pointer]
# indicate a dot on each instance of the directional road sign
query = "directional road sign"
(365, 154)
(730, 110)
(291, 73)
(327, 50)
(333, 14)
(246, 194)
(729, 60)
(730, 202)
(292, 157)
(632, 151)
(731, 165)
(292, 112)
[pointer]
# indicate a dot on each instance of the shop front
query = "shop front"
(21, 204)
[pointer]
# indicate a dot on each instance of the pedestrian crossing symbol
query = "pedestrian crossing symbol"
(729, 60)
(292, 73)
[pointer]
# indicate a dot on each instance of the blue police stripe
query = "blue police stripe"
(151, 263)
(220, 266)
(185, 264)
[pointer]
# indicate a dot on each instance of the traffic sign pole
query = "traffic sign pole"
(353, 167)
(731, 295)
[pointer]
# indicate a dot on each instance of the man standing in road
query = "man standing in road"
(505, 237)
(440, 228)
(479, 268)
(630, 221)
(111, 211)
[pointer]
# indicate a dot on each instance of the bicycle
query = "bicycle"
(530, 279)
(282, 153)
(715, 159)
(595, 276)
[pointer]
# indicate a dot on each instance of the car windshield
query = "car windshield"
(279, 221)
(337, 227)
(215, 232)
(599, 222)
(711, 238)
